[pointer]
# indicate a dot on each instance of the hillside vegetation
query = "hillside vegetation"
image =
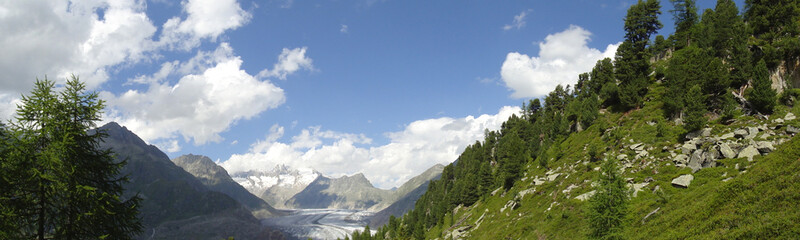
(700, 125)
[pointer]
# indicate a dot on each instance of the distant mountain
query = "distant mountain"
(406, 196)
(278, 185)
(217, 179)
(347, 192)
(176, 205)
(285, 187)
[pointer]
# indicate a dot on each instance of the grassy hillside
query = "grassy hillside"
(756, 201)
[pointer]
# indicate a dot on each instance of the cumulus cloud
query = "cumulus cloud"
(59, 38)
(343, 29)
(420, 145)
(562, 56)
(206, 19)
(199, 106)
(519, 21)
(289, 61)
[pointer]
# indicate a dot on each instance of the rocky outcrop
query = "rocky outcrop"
(683, 181)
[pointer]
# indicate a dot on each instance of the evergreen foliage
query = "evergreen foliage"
(609, 205)
(710, 56)
(695, 109)
(685, 15)
(762, 96)
(632, 61)
(58, 183)
(775, 26)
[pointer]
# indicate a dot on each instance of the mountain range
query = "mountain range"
(176, 204)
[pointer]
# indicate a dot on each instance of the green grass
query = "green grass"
(760, 201)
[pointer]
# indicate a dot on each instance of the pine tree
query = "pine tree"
(609, 205)
(762, 96)
(775, 28)
(685, 15)
(64, 185)
(695, 109)
(632, 66)
(729, 41)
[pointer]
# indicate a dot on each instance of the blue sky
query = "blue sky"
(384, 87)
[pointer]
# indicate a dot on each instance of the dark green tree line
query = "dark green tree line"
(61, 184)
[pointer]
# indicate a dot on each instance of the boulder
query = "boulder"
(681, 158)
(696, 161)
(705, 132)
(622, 157)
(779, 121)
(683, 181)
(748, 152)
(726, 136)
(789, 117)
(752, 132)
(792, 130)
(586, 196)
(765, 147)
(688, 148)
(740, 133)
(637, 187)
(726, 150)
(637, 147)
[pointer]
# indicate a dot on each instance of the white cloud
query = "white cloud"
(59, 38)
(289, 61)
(206, 19)
(519, 21)
(411, 151)
(343, 29)
(199, 106)
(562, 56)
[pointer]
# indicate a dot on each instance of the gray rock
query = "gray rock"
(688, 147)
(622, 157)
(683, 181)
(693, 135)
(789, 117)
(779, 120)
(538, 181)
(705, 132)
(553, 176)
(748, 152)
(709, 159)
(637, 187)
(726, 151)
(637, 147)
(753, 131)
(740, 133)
(792, 129)
(586, 196)
(726, 136)
(681, 158)
(765, 147)
(696, 161)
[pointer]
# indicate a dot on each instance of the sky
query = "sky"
(387, 88)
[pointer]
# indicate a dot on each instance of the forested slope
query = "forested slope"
(701, 124)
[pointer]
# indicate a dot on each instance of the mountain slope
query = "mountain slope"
(175, 204)
(278, 185)
(217, 179)
(406, 196)
(347, 192)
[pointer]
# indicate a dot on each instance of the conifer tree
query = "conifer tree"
(685, 15)
(63, 185)
(695, 109)
(609, 205)
(762, 96)
(632, 62)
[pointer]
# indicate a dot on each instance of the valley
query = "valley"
(319, 223)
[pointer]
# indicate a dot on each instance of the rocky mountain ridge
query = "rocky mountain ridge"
(176, 204)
